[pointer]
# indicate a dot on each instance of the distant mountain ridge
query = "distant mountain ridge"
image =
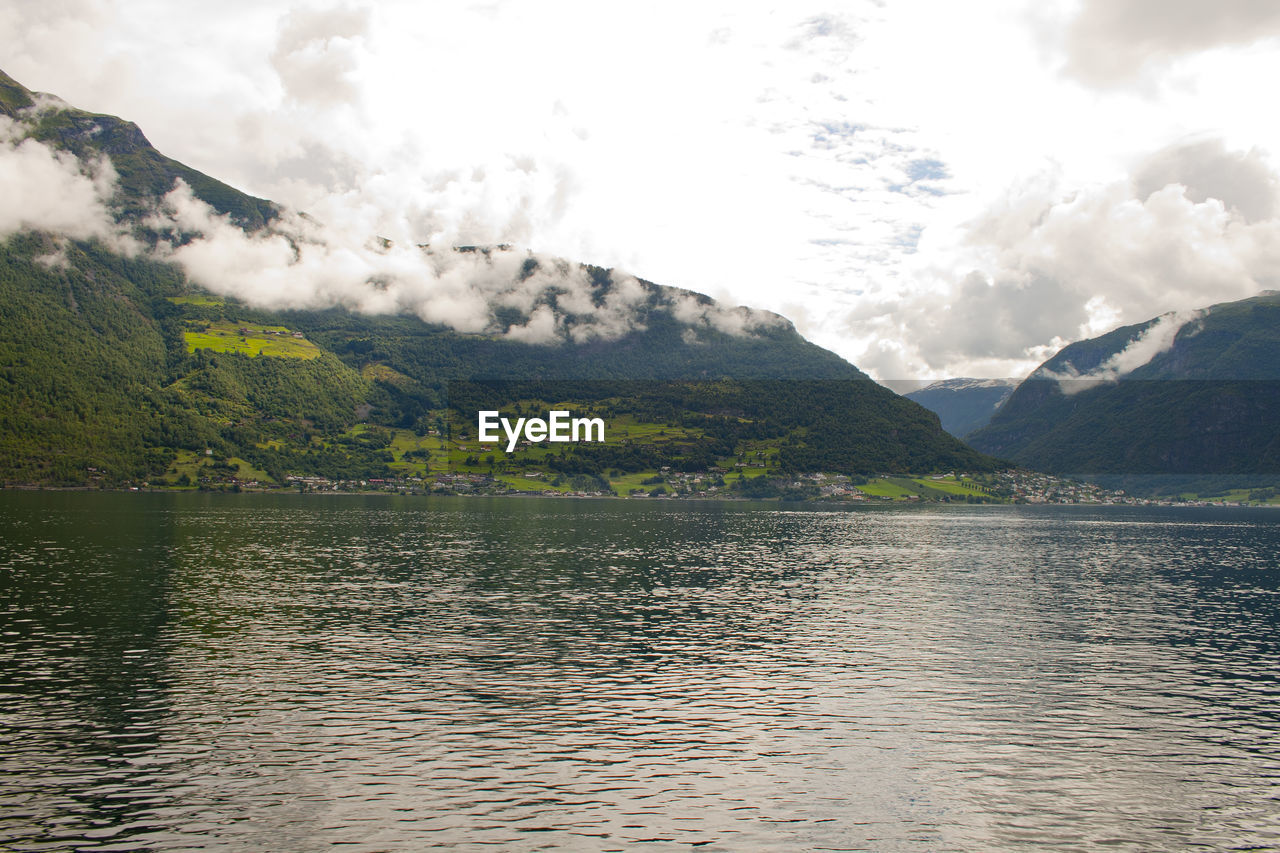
(964, 405)
(115, 368)
(1185, 394)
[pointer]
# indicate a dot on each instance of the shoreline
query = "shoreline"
(820, 502)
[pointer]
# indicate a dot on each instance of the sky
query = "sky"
(927, 188)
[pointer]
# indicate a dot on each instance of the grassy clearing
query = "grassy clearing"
(189, 463)
(627, 428)
(745, 473)
(887, 488)
(378, 372)
(246, 471)
(253, 340)
(198, 301)
(406, 441)
(623, 485)
(951, 486)
(197, 465)
(529, 484)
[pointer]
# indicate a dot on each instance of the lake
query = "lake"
(281, 672)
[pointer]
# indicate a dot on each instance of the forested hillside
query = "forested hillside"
(117, 368)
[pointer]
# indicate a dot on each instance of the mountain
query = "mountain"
(144, 173)
(964, 405)
(1193, 394)
(117, 366)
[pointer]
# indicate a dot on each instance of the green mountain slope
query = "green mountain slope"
(118, 370)
(97, 383)
(1207, 404)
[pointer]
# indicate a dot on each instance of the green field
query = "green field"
(530, 484)
(405, 441)
(198, 301)
(382, 373)
(885, 488)
(951, 486)
(899, 488)
(250, 339)
(1231, 496)
(627, 482)
(196, 466)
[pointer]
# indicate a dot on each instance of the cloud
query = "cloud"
(57, 259)
(1110, 42)
(318, 52)
(1151, 342)
(615, 315)
(738, 321)
(1050, 265)
(541, 328)
(299, 262)
(48, 190)
(1242, 181)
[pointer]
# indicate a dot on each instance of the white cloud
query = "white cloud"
(541, 328)
(48, 190)
(730, 320)
(1243, 181)
(319, 51)
(55, 260)
(1111, 42)
(556, 127)
(299, 262)
(1151, 342)
(1051, 265)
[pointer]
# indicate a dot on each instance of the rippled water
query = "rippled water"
(289, 673)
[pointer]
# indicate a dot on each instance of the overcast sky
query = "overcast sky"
(929, 188)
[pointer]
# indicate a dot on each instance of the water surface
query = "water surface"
(296, 673)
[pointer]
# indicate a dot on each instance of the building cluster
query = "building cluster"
(1011, 486)
(1032, 488)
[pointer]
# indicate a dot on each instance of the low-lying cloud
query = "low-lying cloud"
(48, 190)
(1151, 342)
(298, 262)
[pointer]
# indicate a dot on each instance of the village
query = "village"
(1012, 486)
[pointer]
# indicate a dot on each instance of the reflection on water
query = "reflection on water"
(253, 672)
